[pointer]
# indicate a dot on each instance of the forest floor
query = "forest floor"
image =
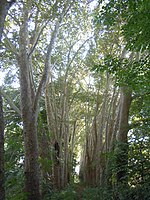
(79, 188)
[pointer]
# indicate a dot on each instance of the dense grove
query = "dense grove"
(74, 100)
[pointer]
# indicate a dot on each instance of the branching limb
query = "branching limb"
(10, 101)
(36, 38)
(10, 45)
(76, 53)
(48, 60)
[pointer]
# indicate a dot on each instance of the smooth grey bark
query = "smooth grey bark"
(29, 115)
(122, 140)
(30, 104)
(30, 99)
(29, 118)
(59, 126)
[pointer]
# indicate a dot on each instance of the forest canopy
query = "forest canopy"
(74, 100)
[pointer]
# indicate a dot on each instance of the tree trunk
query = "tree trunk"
(122, 141)
(29, 115)
(31, 159)
(2, 190)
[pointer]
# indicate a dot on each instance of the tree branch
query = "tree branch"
(47, 63)
(10, 45)
(76, 53)
(10, 102)
(36, 38)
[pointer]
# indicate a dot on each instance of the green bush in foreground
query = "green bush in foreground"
(68, 194)
(141, 192)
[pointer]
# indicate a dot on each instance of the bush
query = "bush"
(68, 194)
(97, 194)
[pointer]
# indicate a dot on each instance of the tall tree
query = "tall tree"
(61, 94)
(30, 107)
(122, 136)
(30, 94)
(4, 7)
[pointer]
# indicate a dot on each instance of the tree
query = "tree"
(67, 108)
(30, 97)
(61, 96)
(128, 24)
(122, 136)
(4, 7)
(30, 108)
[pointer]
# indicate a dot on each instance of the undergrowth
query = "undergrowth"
(103, 193)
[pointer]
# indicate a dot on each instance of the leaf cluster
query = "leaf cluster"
(132, 16)
(126, 72)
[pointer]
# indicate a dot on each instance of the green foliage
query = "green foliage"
(14, 156)
(132, 16)
(97, 194)
(47, 189)
(14, 153)
(132, 73)
(140, 192)
(139, 140)
(45, 163)
(137, 28)
(14, 184)
(139, 157)
(68, 194)
(117, 193)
